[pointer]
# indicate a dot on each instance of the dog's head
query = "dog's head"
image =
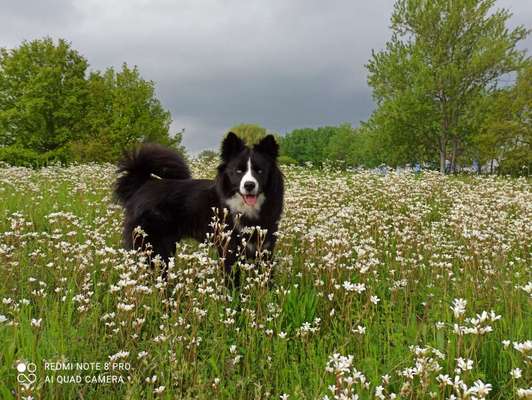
(245, 172)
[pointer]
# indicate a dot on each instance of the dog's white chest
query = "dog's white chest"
(236, 204)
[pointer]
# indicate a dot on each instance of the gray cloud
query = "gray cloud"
(282, 64)
(22, 19)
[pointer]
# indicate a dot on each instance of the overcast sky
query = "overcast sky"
(283, 64)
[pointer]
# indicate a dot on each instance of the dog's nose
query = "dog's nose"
(249, 186)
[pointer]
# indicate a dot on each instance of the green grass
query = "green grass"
(415, 242)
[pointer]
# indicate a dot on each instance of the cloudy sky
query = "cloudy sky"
(283, 64)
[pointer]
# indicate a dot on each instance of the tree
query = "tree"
(505, 134)
(400, 133)
(50, 110)
(249, 133)
(122, 110)
(208, 155)
(442, 56)
(307, 144)
(43, 95)
(318, 145)
(340, 144)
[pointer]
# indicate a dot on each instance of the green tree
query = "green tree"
(208, 155)
(249, 133)
(441, 57)
(43, 95)
(399, 132)
(122, 110)
(334, 143)
(505, 134)
(307, 144)
(51, 110)
(340, 144)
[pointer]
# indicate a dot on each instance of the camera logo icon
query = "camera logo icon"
(26, 373)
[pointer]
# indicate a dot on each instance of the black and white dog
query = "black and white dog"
(159, 195)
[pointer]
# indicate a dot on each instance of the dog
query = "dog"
(159, 195)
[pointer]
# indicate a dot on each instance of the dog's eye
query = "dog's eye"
(239, 171)
(259, 171)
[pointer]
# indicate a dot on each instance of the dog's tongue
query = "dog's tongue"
(250, 199)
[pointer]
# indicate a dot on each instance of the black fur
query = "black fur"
(140, 163)
(176, 206)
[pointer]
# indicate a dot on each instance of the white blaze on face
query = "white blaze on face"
(248, 177)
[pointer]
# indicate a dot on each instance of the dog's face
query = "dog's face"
(245, 172)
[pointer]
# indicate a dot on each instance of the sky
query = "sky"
(283, 64)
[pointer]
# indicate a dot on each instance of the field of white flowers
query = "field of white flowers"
(396, 286)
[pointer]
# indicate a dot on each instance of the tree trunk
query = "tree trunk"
(443, 154)
(443, 139)
(49, 141)
(453, 160)
(453, 155)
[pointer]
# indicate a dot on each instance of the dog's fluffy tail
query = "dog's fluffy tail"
(149, 161)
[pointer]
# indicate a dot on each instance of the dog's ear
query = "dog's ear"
(268, 145)
(231, 146)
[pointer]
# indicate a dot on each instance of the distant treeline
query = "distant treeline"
(342, 144)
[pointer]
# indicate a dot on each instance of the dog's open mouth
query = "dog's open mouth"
(250, 199)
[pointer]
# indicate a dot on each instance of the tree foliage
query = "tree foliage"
(505, 134)
(317, 145)
(122, 110)
(442, 56)
(208, 155)
(51, 108)
(249, 133)
(43, 95)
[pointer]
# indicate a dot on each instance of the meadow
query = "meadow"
(395, 286)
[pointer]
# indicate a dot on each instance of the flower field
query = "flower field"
(396, 286)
